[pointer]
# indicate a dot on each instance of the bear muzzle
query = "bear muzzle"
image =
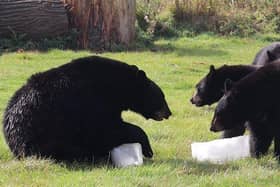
(216, 125)
(196, 100)
(164, 113)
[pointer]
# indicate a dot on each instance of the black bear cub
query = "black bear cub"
(211, 88)
(73, 112)
(255, 99)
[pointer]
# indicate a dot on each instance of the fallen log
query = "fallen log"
(34, 18)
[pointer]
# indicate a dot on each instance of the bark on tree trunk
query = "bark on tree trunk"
(35, 18)
(102, 23)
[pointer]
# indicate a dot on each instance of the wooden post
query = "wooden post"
(102, 23)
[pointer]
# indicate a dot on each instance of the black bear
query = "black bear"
(268, 54)
(73, 112)
(207, 91)
(211, 88)
(255, 99)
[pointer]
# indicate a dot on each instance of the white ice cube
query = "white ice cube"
(221, 150)
(127, 155)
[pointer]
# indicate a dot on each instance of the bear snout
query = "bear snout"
(196, 100)
(216, 128)
(213, 129)
(192, 100)
(216, 125)
(164, 113)
(167, 112)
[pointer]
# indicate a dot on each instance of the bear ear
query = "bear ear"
(141, 74)
(271, 56)
(212, 69)
(134, 68)
(228, 85)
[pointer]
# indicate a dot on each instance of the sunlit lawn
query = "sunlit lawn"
(176, 65)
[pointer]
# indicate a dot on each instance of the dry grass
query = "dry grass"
(229, 17)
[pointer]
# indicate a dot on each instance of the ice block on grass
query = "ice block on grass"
(221, 150)
(127, 155)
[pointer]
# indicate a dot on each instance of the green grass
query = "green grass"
(176, 65)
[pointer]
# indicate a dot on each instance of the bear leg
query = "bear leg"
(259, 144)
(138, 135)
(126, 133)
(277, 147)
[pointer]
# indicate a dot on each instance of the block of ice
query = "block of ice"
(127, 155)
(221, 150)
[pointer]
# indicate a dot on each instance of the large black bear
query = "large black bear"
(73, 112)
(255, 99)
(268, 54)
(211, 88)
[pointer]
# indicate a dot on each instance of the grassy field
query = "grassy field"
(176, 65)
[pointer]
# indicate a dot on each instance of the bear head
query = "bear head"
(149, 100)
(230, 111)
(207, 90)
(273, 54)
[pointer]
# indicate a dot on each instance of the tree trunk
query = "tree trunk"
(35, 18)
(103, 23)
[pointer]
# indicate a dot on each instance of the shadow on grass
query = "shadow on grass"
(185, 51)
(193, 167)
(87, 165)
(183, 166)
(198, 168)
(206, 168)
(8, 45)
(104, 163)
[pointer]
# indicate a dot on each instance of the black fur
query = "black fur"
(268, 54)
(255, 99)
(73, 112)
(211, 88)
(210, 93)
